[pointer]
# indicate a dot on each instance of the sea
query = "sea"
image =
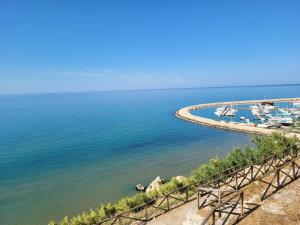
(64, 153)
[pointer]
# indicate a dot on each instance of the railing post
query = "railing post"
(168, 203)
(120, 220)
(236, 181)
(219, 201)
(198, 199)
(146, 211)
(213, 218)
(242, 203)
(278, 178)
(294, 172)
(251, 168)
(187, 194)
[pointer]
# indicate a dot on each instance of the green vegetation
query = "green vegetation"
(237, 158)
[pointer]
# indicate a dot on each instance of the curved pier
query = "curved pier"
(185, 113)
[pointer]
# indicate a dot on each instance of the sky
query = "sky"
(66, 46)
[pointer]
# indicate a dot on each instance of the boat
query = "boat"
(287, 121)
(284, 112)
(230, 112)
(262, 109)
(283, 120)
(296, 104)
(263, 125)
(225, 111)
(220, 111)
(262, 118)
(242, 118)
(268, 106)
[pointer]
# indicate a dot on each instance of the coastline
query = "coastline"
(185, 114)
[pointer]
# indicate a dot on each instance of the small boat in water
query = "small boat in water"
(296, 104)
(220, 111)
(262, 109)
(284, 112)
(282, 120)
(230, 112)
(225, 111)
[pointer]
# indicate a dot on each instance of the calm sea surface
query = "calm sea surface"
(61, 154)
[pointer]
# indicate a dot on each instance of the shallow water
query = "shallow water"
(64, 153)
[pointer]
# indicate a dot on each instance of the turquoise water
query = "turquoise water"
(61, 154)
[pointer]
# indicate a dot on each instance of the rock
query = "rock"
(180, 178)
(140, 187)
(154, 185)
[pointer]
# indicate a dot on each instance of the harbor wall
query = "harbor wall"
(185, 113)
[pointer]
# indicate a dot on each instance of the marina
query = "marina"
(265, 117)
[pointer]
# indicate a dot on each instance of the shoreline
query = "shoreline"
(185, 114)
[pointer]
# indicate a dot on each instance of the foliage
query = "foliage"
(214, 169)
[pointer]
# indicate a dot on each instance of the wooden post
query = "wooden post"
(242, 203)
(187, 194)
(219, 201)
(146, 211)
(213, 218)
(294, 172)
(278, 179)
(236, 181)
(168, 203)
(198, 199)
(120, 220)
(251, 172)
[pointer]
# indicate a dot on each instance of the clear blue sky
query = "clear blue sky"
(53, 46)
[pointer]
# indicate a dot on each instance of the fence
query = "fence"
(232, 201)
(232, 178)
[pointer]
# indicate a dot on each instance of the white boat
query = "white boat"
(230, 112)
(242, 118)
(287, 121)
(263, 125)
(262, 119)
(283, 120)
(268, 106)
(220, 111)
(257, 112)
(284, 112)
(261, 109)
(225, 111)
(296, 104)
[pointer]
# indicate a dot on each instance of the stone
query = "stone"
(180, 178)
(154, 185)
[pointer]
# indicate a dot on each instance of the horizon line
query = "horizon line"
(149, 89)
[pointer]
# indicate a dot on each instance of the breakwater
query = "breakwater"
(185, 113)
